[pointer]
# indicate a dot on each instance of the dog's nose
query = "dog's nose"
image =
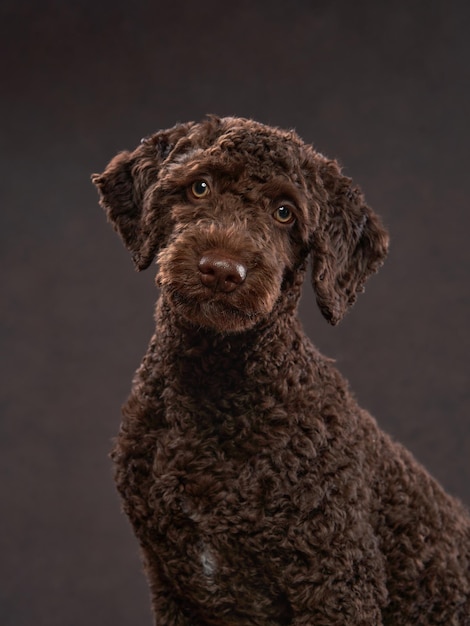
(220, 272)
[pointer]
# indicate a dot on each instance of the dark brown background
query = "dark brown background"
(382, 86)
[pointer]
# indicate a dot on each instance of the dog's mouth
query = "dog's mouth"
(213, 312)
(220, 288)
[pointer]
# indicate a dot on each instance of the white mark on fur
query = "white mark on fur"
(208, 561)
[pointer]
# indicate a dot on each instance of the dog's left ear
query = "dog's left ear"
(122, 188)
(348, 245)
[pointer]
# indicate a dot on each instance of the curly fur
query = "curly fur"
(260, 492)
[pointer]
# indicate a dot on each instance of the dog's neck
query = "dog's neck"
(226, 381)
(182, 338)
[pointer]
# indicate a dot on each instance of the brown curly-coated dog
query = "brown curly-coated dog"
(260, 492)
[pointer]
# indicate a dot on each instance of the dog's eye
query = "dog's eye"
(284, 215)
(200, 189)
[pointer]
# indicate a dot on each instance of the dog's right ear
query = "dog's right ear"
(122, 189)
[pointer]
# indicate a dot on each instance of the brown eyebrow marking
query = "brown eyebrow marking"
(212, 168)
(282, 189)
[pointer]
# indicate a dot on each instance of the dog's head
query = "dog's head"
(232, 208)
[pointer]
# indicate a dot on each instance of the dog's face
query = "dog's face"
(231, 208)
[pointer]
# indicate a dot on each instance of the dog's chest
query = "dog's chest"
(204, 484)
(209, 516)
(229, 475)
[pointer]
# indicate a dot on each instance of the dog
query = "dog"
(260, 492)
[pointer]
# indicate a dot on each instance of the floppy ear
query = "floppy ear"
(122, 188)
(348, 244)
